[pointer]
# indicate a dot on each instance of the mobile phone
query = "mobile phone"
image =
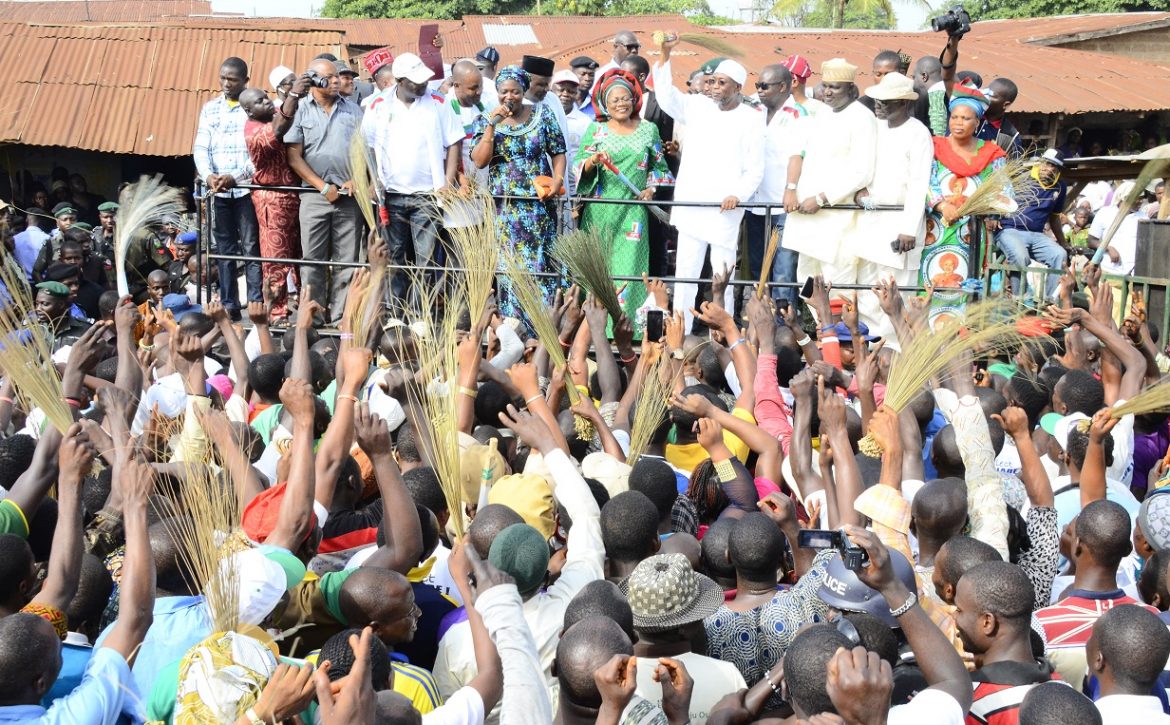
(654, 325)
(806, 290)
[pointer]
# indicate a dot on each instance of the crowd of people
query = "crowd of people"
(1004, 556)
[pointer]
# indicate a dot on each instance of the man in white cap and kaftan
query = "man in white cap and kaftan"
(723, 162)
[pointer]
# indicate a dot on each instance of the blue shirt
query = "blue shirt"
(26, 246)
(74, 661)
(1032, 218)
(180, 623)
(106, 691)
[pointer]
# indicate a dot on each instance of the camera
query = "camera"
(317, 79)
(955, 22)
(853, 557)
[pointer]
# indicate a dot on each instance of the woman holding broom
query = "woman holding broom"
(521, 146)
(962, 163)
(621, 139)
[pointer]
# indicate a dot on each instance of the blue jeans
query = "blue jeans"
(414, 226)
(1019, 246)
(783, 264)
(234, 227)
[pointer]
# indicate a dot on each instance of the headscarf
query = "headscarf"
(513, 73)
(613, 79)
(968, 95)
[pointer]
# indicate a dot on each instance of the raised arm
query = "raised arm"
(75, 458)
(129, 375)
(846, 475)
(1093, 480)
(756, 438)
(742, 356)
(608, 377)
(136, 592)
(294, 521)
(669, 98)
(338, 438)
(403, 546)
(1015, 424)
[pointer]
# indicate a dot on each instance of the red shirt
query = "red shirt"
(1000, 689)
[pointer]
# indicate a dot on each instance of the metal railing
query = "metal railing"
(994, 279)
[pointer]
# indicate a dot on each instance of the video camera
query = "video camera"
(853, 557)
(955, 22)
(319, 80)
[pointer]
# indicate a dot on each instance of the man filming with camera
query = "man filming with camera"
(318, 151)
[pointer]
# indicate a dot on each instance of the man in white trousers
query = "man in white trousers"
(832, 159)
(889, 243)
(723, 162)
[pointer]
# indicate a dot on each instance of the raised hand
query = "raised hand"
(371, 431)
(298, 399)
(529, 428)
(710, 433)
(1014, 421)
(616, 681)
(695, 404)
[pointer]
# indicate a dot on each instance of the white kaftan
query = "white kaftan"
(838, 150)
(901, 177)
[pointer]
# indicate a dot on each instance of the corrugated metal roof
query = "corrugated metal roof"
(1051, 79)
(130, 89)
(101, 11)
(1036, 29)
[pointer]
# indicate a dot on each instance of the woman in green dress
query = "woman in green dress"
(632, 145)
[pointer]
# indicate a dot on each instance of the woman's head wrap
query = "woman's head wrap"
(968, 95)
(513, 73)
(613, 79)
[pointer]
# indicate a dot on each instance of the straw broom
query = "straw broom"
(531, 300)
(653, 404)
(432, 392)
(988, 327)
(476, 246)
(716, 45)
(1151, 400)
(368, 304)
(1004, 191)
(586, 254)
(26, 349)
(766, 270)
(141, 205)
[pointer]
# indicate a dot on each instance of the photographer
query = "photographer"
(934, 77)
(318, 151)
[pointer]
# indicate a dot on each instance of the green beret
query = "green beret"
(522, 553)
(108, 206)
(84, 225)
(709, 67)
(62, 209)
(56, 289)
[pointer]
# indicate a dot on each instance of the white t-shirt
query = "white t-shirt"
(1124, 242)
(932, 706)
(465, 707)
(713, 679)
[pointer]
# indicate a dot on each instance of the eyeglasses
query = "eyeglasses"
(764, 86)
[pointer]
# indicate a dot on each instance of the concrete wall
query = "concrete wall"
(1147, 45)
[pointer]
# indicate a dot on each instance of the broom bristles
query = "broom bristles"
(766, 269)
(531, 300)
(586, 254)
(1153, 169)
(26, 349)
(1151, 400)
(143, 204)
(362, 175)
(1004, 191)
(653, 404)
(476, 246)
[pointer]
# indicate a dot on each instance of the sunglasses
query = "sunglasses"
(764, 86)
(633, 46)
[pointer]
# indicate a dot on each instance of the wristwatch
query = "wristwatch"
(677, 354)
(790, 186)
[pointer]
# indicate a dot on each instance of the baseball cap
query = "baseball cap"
(1058, 426)
(1054, 157)
(343, 68)
(179, 305)
(411, 67)
(566, 76)
(799, 66)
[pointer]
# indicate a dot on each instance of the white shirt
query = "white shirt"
(776, 154)
(465, 707)
(932, 706)
(1102, 220)
(545, 612)
(839, 152)
(901, 177)
(724, 157)
(1131, 709)
(1124, 242)
(713, 680)
(576, 123)
(467, 214)
(410, 141)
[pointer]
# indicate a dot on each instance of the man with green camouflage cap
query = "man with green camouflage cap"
(52, 308)
(103, 235)
(66, 215)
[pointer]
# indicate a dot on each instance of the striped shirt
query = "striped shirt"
(1068, 625)
(999, 689)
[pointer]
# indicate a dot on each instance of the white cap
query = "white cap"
(565, 76)
(1064, 426)
(278, 74)
(732, 70)
(411, 67)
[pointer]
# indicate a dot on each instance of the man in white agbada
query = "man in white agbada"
(889, 243)
(832, 160)
(723, 162)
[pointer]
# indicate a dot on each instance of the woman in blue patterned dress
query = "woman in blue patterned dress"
(517, 143)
